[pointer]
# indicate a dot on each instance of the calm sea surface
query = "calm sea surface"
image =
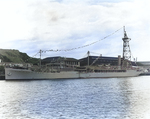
(109, 98)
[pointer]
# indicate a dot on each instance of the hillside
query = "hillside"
(8, 55)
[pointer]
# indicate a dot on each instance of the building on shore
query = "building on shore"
(102, 60)
(90, 60)
(61, 60)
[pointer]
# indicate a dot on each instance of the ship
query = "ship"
(65, 71)
(23, 74)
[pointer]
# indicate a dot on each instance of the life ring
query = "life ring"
(9, 74)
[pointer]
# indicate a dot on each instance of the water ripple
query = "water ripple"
(113, 98)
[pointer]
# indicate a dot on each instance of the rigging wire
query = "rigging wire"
(32, 57)
(95, 60)
(59, 50)
(94, 53)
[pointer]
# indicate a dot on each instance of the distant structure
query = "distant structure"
(63, 60)
(126, 50)
(100, 60)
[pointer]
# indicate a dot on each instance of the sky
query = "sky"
(66, 26)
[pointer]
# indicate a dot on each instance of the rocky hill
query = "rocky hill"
(15, 56)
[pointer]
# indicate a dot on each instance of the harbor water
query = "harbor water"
(102, 98)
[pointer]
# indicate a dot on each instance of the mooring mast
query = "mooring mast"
(126, 49)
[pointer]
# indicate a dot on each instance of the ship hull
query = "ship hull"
(128, 73)
(28, 74)
(18, 74)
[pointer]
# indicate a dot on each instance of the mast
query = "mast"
(40, 56)
(88, 53)
(126, 49)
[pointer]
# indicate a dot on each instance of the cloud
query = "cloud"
(65, 24)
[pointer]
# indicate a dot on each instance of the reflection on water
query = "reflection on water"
(112, 98)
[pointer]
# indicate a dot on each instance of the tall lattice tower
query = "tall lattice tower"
(126, 49)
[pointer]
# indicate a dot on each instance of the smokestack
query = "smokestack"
(119, 60)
